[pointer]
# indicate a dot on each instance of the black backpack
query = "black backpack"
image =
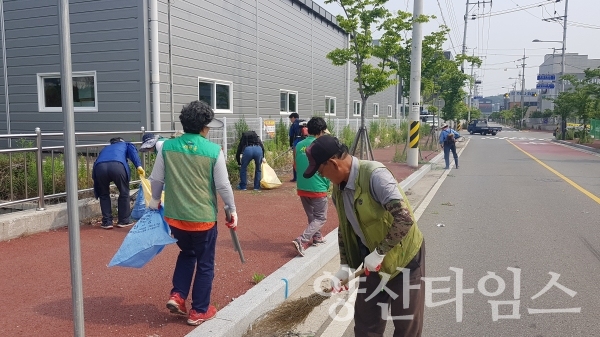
(302, 129)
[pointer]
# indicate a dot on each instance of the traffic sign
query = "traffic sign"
(546, 77)
(544, 86)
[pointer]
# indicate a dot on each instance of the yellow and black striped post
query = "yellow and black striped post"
(414, 134)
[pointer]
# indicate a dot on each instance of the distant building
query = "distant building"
(575, 64)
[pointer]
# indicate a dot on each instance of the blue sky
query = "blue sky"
(501, 38)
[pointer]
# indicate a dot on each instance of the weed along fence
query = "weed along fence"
(32, 169)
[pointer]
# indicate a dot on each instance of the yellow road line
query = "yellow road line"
(571, 182)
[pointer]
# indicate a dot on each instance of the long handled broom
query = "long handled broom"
(289, 314)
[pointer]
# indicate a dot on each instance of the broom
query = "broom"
(289, 314)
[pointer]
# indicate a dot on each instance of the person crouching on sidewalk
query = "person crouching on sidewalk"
(312, 191)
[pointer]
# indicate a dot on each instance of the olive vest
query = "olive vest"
(375, 222)
(189, 183)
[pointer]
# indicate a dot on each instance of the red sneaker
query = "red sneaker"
(196, 318)
(176, 304)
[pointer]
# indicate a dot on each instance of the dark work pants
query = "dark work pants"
(106, 173)
(197, 252)
(447, 148)
(368, 315)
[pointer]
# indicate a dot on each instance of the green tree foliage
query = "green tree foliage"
(359, 19)
(582, 100)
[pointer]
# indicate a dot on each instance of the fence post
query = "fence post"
(260, 127)
(143, 129)
(40, 175)
(225, 137)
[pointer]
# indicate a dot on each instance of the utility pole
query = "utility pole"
(470, 101)
(464, 44)
(412, 157)
(523, 88)
(66, 79)
(563, 58)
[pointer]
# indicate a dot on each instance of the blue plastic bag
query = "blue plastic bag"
(139, 207)
(144, 241)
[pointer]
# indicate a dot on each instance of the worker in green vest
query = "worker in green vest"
(376, 228)
(192, 170)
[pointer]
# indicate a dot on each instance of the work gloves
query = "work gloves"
(234, 220)
(373, 262)
(154, 204)
(264, 160)
(140, 171)
(342, 274)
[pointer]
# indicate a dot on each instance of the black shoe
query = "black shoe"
(106, 226)
(124, 224)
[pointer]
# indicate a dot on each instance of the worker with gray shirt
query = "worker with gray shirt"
(192, 170)
(376, 228)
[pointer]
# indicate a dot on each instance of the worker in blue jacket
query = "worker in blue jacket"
(448, 139)
(111, 166)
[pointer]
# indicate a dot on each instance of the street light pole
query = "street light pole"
(564, 48)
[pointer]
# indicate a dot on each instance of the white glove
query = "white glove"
(264, 160)
(154, 204)
(373, 262)
(234, 220)
(342, 274)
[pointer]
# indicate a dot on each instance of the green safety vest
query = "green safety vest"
(315, 183)
(375, 222)
(189, 184)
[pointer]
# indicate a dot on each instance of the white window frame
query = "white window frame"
(214, 83)
(287, 105)
(356, 112)
(390, 111)
(42, 97)
(328, 100)
(375, 108)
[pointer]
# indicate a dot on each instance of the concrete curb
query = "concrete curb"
(235, 318)
(23, 223)
(578, 146)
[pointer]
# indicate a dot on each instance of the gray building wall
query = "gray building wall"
(105, 38)
(281, 45)
(575, 64)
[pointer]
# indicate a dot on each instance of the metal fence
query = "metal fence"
(595, 128)
(39, 170)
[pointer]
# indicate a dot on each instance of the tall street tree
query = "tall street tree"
(375, 63)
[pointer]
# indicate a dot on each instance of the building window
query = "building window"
(288, 101)
(85, 92)
(330, 106)
(389, 111)
(217, 94)
(357, 109)
(375, 109)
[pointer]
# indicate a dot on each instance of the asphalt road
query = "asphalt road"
(518, 201)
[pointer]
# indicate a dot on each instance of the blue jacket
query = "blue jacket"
(118, 152)
(445, 134)
(294, 131)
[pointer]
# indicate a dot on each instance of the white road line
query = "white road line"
(423, 205)
(340, 323)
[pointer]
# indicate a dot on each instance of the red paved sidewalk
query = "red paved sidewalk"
(35, 292)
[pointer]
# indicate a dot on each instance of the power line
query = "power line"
(444, 19)
(513, 10)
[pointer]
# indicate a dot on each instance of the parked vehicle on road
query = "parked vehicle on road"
(431, 120)
(481, 126)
